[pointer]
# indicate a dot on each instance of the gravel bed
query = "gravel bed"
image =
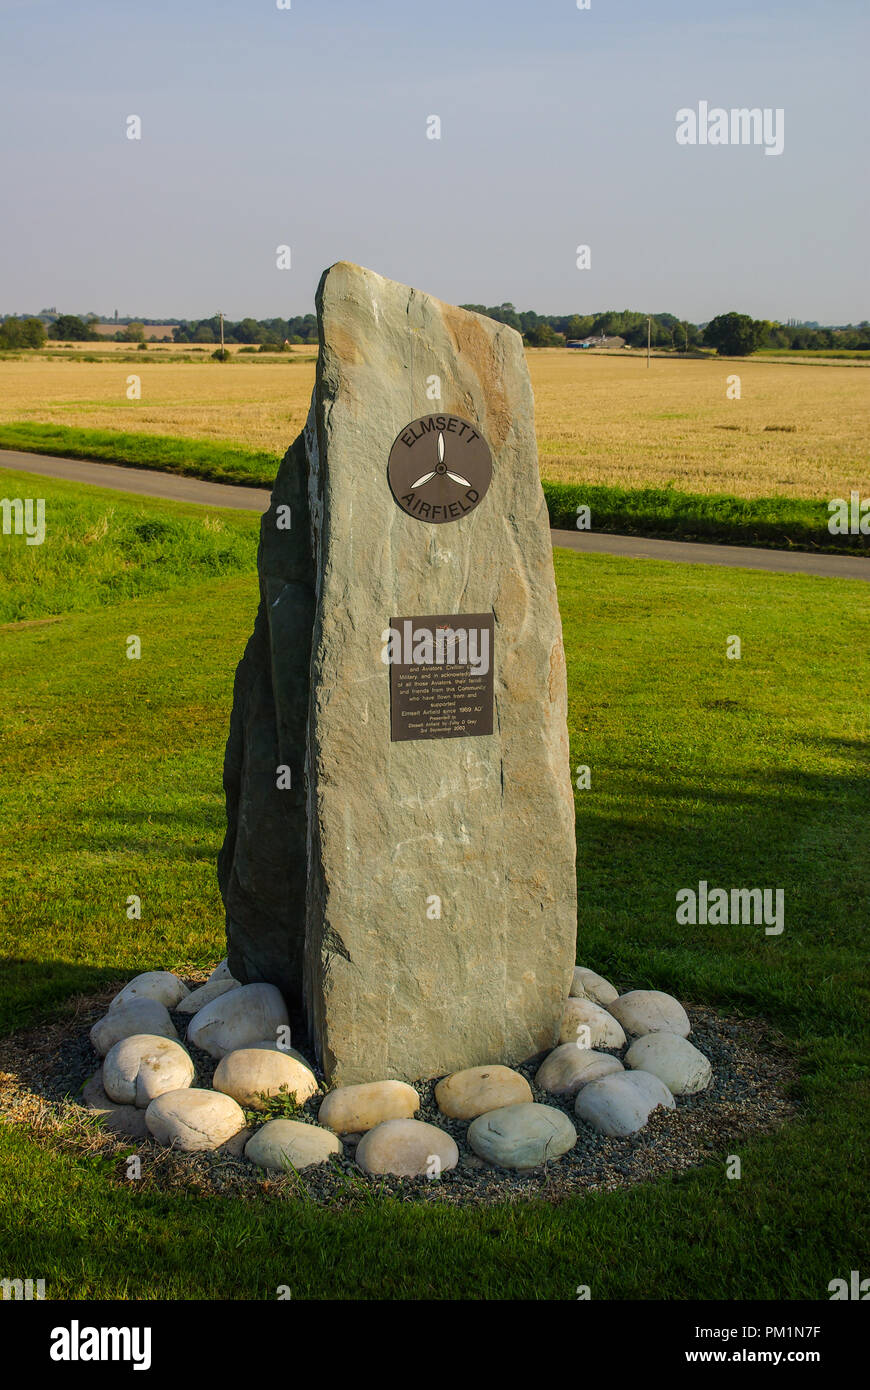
(43, 1070)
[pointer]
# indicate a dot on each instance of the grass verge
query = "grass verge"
(101, 546)
(198, 458)
(781, 522)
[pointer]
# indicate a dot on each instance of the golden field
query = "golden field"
(800, 430)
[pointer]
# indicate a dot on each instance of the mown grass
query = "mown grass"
(747, 773)
(102, 546)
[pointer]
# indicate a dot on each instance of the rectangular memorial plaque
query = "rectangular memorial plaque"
(441, 676)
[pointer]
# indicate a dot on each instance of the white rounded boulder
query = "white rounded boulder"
(581, 1015)
(674, 1060)
(137, 1016)
(250, 1073)
(194, 1119)
(284, 1144)
(212, 989)
(237, 1018)
(569, 1067)
(407, 1149)
(643, 1011)
(466, 1094)
(587, 985)
(142, 1067)
(622, 1103)
(160, 985)
(522, 1136)
(355, 1109)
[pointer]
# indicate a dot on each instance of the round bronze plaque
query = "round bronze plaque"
(440, 468)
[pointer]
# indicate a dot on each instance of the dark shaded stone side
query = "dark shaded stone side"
(262, 864)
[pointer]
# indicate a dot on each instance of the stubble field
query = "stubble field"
(796, 431)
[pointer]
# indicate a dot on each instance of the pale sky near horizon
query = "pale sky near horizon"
(307, 127)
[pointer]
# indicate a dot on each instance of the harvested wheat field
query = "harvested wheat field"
(799, 430)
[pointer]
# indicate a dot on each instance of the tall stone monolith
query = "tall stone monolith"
(411, 880)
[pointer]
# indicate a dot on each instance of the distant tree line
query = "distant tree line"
(553, 330)
(731, 334)
(267, 333)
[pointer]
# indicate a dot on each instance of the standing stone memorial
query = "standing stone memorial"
(399, 857)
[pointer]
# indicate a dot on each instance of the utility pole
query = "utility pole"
(222, 333)
(648, 322)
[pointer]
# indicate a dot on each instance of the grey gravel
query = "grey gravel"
(754, 1076)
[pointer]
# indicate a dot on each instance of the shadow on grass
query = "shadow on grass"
(32, 988)
(799, 831)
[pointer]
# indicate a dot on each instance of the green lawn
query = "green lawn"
(744, 773)
(102, 546)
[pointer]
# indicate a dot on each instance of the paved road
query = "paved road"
(741, 556)
(148, 482)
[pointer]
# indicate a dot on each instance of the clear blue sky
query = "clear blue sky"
(308, 127)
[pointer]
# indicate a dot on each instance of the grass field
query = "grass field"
(750, 772)
(798, 430)
(103, 546)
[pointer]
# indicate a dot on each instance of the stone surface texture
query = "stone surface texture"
(198, 998)
(589, 985)
(249, 1073)
(194, 1119)
(622, 1103)
(643, 1011)
(408, 1149)
(522, 1136)
(128, 1120)
(140, 1068)
(357, 1108)
(674, 1060)
(582, 1013)
(466, 1094)
(136, 1016)
(284, 1144)
(235, 1019)
(569, 1067)
(326, 884)
(161, 985)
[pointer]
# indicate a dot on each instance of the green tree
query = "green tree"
(579, 326)
(22, 333)
(248, 331)
(68, 328)
(734, 335)
(544, 335)
(32, 333)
